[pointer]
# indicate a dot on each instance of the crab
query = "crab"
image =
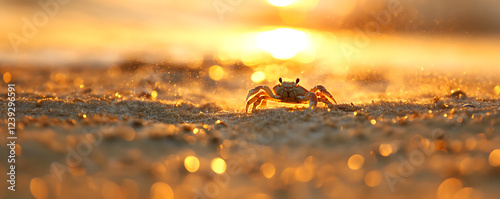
(289, 92)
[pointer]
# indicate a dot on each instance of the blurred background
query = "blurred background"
(318, 41)
(105, 31)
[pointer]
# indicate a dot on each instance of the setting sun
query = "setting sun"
(283, 43)
(281, 3)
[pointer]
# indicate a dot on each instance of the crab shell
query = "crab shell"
(289, 92)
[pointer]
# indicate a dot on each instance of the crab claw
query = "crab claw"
(253, 91)
(323, 90)
(253, 99)
(258, 100)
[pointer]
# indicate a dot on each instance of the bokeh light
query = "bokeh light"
(218, 165)
(127, 133)
(287, 176)
(192, 164)
(18, 150)
(355, 162)
(268, 170)
(304, 174)
(373, 178)
(470, 143)
(385, 149)
(258, 76)
(7, 77)
(448, 188)
(468, 193)
(216, 72)
(280, 3)
(161, 190)
(494, 158)
(283, 43)
(158, 169)
(497, 90)
(111, 190)
(154, 94)
(39, 188)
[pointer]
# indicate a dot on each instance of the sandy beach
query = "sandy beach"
(109, 132)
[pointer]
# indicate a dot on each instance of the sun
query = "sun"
(283, 43)
(281, 3)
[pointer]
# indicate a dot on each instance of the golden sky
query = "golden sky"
(72, 30)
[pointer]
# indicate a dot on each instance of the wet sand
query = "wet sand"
(126, 132)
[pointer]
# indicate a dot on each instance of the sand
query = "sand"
(126, 132)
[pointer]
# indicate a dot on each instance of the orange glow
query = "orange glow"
(128, 134)
(494, 158)
(111, 190)
(154, 94)
(497, 90)
(385, 149)
(280, 3)
(304, 174)
(468, 193)
(471, 142)
(161, 190)
(283, 43)
(218, 165)
(355, 162)
(373, 178)
(39, 188)
(305, 5)
(448, 188)
(192, 164)
(288, 175)
(216, 72)
(60, 78)
(466, 166)
(7, 77)
(258, 76)
(18, 150)
(292, 16)
(158, 168)
(268, 170)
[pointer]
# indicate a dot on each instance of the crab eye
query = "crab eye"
(297, 81)
(281, 81)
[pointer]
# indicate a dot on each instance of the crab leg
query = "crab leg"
(257, 98)
(261, 101)
(323, 90)
(258, 88)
